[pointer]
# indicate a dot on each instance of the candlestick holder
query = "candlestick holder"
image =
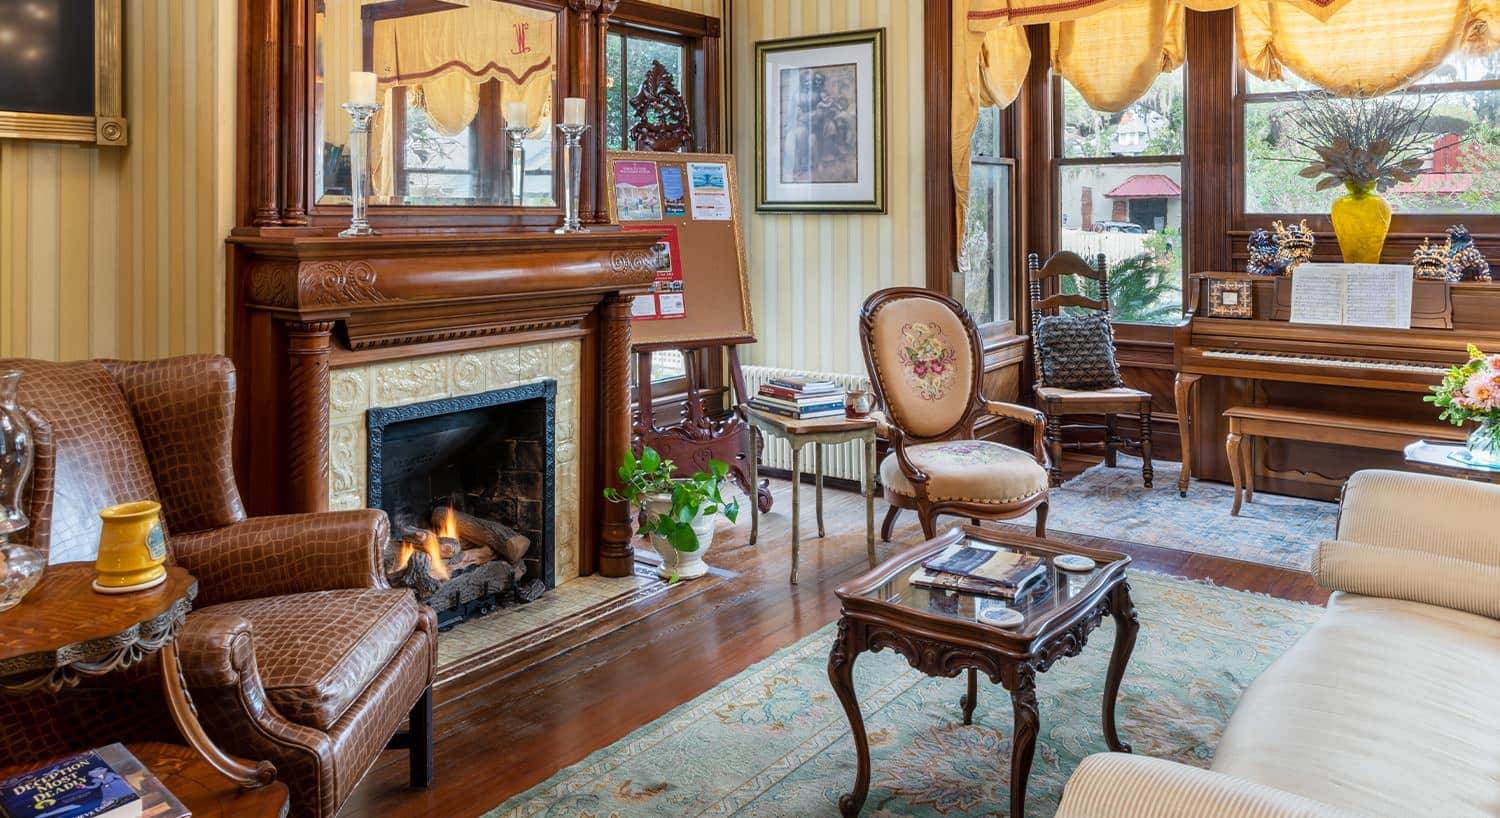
(517, 164)
(360, 114)
(572, 140)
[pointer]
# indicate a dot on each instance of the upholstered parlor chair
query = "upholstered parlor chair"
(1073, 356)
(296, 652)
(925, 362)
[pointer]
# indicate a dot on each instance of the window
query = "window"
(1120, 194)
(1462, 175)
(985, 259)
(629, 54)
(436, 166)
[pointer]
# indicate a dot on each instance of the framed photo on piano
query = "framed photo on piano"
(1231, 299)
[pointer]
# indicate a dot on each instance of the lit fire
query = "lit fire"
(435, 564)
(449, 529)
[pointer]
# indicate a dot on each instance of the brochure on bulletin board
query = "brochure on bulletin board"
(708, 183)
(673, 195)
(665, 300)
(637, 193)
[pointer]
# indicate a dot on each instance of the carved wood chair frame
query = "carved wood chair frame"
(1058, 406)
(963, 429)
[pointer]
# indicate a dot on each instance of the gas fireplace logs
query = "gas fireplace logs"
(459, 564)
(477, 531)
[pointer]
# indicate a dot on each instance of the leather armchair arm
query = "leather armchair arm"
(1024, 414)
(288, 554)
(1117, 785)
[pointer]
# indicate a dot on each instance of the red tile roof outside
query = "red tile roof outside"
(1146, 186)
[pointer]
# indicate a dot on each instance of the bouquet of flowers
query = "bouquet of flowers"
(1470, 391)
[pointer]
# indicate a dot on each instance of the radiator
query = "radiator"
(845, 460)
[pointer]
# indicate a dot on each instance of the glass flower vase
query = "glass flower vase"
(1361, 220)
(20, 566)
(1483, 448)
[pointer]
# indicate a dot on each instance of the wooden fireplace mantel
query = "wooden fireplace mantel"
(302, 304)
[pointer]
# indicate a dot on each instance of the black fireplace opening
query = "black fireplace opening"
(468, 484)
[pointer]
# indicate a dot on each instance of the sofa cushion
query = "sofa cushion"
(1385, 707)
(976, 471)
(317, 652)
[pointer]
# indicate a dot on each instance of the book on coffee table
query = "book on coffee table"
(979, 568)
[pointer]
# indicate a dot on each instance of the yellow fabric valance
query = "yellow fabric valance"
(1112, 50)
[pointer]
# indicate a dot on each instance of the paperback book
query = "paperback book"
(108, 782)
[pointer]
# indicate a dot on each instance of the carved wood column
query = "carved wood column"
(294, 114)
(307, 346)
(585, 44)
(263, 77)
(616, 557)
(592, 196)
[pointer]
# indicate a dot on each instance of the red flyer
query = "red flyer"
(665, 299)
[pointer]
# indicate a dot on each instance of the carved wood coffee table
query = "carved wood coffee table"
(63, 631)
(940, 634)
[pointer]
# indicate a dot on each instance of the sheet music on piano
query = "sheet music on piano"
(1355, 295)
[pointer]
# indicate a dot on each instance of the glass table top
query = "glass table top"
(1055, 592)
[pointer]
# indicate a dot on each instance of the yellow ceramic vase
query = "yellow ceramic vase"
(132, 548)
(1361, 219)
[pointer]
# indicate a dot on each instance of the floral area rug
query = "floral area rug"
(1274, 529)
(773, 741)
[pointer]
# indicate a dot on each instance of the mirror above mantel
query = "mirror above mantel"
(457, 81)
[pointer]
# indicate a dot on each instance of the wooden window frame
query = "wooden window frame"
(1005, 157)
(1429, 223)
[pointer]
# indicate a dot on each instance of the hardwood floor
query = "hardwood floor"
(500, 736)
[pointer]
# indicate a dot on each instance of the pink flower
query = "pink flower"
(937, 367)
(1492, 363)
(919, 368)
(1482, 390)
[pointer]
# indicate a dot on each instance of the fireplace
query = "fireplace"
(469, 483)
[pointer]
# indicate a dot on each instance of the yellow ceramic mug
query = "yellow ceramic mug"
(132, 548)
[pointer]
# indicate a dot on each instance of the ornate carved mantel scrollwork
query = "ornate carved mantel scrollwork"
(661, 115)
(314, 284)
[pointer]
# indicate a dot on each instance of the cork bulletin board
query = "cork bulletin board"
(700, 296)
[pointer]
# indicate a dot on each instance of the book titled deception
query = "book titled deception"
(80, 786)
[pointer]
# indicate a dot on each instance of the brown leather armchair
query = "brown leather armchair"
(297, 651)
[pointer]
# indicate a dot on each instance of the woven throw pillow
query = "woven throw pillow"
(1076, 351)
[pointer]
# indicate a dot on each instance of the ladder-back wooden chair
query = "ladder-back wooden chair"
(925, 362)
(1073, 357)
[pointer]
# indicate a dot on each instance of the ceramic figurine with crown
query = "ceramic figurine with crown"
(1294, 244)
(1464, 261)
(1265, 254)
(1429, 262)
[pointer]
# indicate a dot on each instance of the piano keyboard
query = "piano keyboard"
(1436, 370)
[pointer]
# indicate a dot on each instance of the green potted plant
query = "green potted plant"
(678, 512)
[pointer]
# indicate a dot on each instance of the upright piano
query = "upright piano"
(1264, 358)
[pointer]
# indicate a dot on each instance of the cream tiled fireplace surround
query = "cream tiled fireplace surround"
(355, 389)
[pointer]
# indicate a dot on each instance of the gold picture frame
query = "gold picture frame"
(107, 124)
(818, 106)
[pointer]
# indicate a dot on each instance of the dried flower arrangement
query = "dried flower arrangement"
(1363, 141)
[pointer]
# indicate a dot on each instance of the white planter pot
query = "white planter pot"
(681, 564)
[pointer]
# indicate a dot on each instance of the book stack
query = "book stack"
(800, 398)
(108, 782)
(980, 568)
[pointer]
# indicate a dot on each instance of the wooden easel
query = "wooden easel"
(699, 436)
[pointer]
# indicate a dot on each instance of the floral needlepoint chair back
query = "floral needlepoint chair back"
(924, 359)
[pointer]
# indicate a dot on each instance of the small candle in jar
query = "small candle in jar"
(362, 87)
(516, 115)
(573, 111)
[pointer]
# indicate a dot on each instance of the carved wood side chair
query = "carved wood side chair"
(925, 362)
(1073, 359)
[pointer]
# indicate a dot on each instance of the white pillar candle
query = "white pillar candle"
(516, 115)
(362, 87)
(573, 111)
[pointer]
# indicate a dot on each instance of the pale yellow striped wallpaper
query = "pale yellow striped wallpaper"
(809, 274)
(119, 252)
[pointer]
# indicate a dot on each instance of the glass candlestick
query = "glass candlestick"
(360, 115)
(572, 140)
(517, 164)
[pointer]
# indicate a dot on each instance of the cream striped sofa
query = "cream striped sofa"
(1389, 706)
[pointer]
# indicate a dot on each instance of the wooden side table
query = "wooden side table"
(1432, 457)
(819, 432)
(64, 631)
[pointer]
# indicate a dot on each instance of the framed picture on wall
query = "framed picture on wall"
(820, 123)
(60, 71)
